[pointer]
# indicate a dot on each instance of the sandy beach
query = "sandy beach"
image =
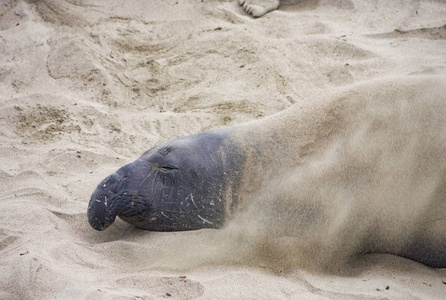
(88, 86)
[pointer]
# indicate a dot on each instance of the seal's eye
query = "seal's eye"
(168, 168)
(168, 173)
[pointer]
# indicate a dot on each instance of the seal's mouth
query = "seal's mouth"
(98, 217)
(99, 225)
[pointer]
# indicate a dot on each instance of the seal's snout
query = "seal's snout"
(100, 211)
(98, 216)
(121, 194)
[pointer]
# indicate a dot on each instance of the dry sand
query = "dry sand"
(87, 86)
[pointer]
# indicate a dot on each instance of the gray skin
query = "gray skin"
(179, 184)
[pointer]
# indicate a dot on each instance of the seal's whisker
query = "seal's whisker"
(170, 210)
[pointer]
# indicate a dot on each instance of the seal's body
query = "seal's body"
(366, 167)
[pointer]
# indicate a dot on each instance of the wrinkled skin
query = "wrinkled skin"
(178, 185)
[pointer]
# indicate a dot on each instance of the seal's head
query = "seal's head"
(177, 185)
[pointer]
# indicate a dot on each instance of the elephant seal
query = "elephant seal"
(365, 167)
